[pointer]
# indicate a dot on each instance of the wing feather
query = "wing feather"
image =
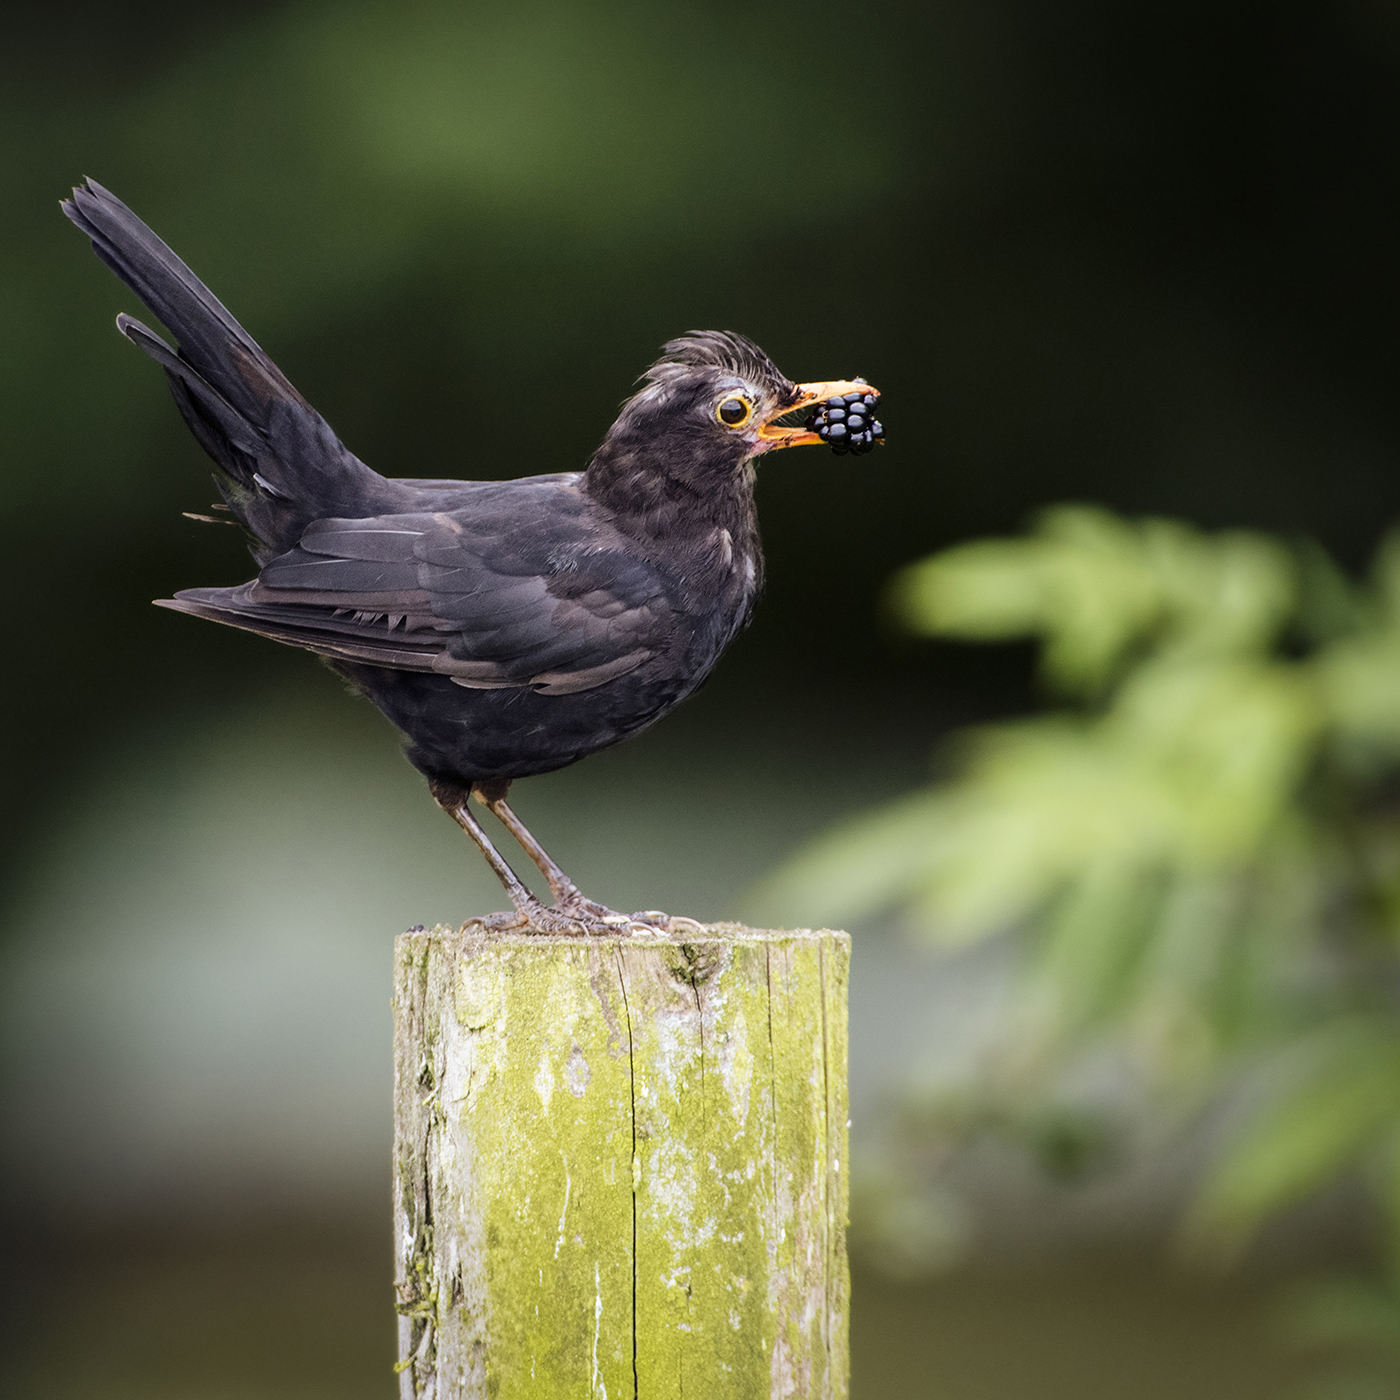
(478, 594)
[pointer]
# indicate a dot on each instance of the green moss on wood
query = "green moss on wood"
(621, 1165)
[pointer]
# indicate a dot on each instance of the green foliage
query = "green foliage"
(1177, 772)
(1096, 588)
(1343, 1104)
(1200, 846)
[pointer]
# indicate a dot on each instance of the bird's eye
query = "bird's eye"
(733, 411)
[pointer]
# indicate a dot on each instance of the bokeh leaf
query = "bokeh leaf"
(1094, 587)
(1345, 1103)
(1200, 852)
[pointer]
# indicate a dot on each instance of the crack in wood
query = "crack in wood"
(632, 1082)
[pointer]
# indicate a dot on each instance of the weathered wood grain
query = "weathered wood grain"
(620, 1165)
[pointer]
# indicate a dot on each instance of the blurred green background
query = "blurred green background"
(1142, 256)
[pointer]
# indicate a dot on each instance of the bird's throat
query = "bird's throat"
(672, 488)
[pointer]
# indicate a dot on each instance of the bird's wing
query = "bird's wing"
(495, 597)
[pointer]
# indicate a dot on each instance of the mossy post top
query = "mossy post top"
(620, 1163)
(472, 938)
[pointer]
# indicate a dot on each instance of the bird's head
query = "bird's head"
(711, 404)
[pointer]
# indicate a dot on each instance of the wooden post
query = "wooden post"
(620, 1165)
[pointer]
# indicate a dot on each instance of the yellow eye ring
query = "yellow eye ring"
(734, 410)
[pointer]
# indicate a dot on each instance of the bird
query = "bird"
(505, 628)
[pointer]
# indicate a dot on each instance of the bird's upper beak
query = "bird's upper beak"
(774, 436)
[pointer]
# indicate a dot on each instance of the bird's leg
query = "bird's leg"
(492, 796)
(530, 913)
(568, 898)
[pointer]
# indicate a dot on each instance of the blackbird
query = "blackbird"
(506, 628)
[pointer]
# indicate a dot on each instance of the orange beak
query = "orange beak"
(808, 394)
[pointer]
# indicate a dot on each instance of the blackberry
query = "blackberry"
(848, 423)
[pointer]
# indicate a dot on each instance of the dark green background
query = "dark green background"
(1143, 255)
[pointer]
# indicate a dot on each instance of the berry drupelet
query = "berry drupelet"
(848, 423)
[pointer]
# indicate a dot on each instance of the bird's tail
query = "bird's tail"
(279, 464)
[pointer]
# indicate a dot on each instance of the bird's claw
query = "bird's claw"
(581, 916)
(643, 921)
(598, 918)
(658, 919)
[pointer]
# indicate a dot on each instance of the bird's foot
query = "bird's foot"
(538, 919)
(598, 918)
(574, 919)
(573, 914)
(573, 903)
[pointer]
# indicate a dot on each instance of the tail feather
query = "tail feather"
(280, 465)
(225, 434)
(209, 337)
(238, 430)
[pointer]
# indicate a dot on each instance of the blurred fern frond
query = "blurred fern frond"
(1200, 847)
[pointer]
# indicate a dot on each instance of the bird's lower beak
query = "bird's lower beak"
(775, 435)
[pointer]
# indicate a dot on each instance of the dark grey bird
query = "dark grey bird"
(506, 628)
